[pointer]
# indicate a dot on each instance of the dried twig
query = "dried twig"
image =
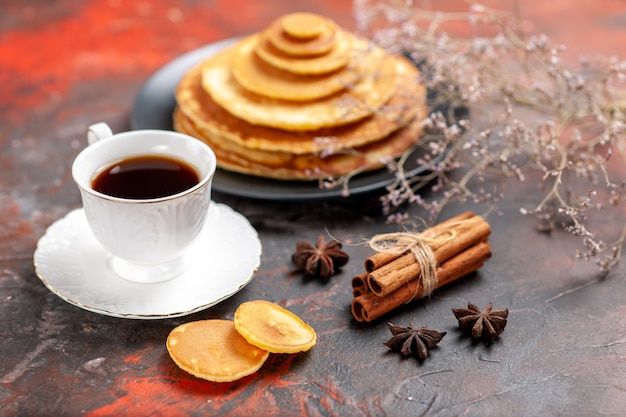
(543, 118)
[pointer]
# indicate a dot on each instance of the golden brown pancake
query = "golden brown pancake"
(335, 59)
(273, 328)
(303, 25)
(324, 41)
(214, 350)
(286, 166)
(211, 119)
(261, 78)
(303, 100)
(374, 89)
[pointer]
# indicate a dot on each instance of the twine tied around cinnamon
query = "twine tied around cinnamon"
(420, 246)
(393, 275)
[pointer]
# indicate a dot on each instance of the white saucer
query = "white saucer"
(72, 264)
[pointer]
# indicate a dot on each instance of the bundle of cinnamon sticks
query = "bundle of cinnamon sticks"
(459, 245)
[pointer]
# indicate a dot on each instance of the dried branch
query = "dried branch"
(529, 114)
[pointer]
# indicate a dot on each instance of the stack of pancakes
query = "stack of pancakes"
(302, 100)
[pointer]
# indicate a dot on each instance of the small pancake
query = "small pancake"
(303, 25)
(305, 167)
(213, 120)
(334, 60)
(273, 328)
(259, 77)
(320, 44)
(374, 88)
(214, 350)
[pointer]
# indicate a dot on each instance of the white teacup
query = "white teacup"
(147, 239)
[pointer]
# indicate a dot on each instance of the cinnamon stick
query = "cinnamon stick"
(359, 284)
(394, 274)
(381, 258)
(368, 307)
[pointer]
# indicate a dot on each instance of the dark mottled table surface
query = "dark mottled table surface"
(65, 64)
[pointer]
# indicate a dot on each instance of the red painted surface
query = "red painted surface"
(68, 63)
(172, 392)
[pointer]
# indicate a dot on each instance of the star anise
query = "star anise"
(321, 260)
(485, 325)
(411, 341)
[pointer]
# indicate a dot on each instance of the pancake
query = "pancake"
(214, 350)
(211, 119)
(259, 77)
(321, 43)
(303, 25)
(303, 100)
(287, 166)
(374, 89)
(334, 60)
(271, 327)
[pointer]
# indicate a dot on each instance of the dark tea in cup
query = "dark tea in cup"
(146, 177)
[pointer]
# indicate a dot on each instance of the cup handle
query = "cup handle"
(98, 131)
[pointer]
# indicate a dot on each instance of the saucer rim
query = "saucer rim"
(102, 311)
